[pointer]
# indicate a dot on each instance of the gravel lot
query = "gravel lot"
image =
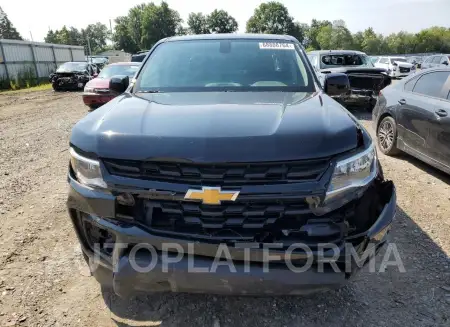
(43, 281)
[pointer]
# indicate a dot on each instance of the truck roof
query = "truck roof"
(230, 36)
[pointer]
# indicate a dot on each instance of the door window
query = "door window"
(383, 61)
(437, 60)
(409, 85)
(431, 84)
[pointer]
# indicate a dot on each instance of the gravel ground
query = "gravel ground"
(43, 281)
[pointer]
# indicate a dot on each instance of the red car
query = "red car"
(97, 92)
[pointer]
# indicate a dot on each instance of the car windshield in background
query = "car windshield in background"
(339, 60)
(72, 67)
(398, 59)
(223, 65)
(110, 71)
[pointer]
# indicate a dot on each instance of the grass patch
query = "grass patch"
(42, 87)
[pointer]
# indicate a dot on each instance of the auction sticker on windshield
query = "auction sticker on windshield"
(276, 45)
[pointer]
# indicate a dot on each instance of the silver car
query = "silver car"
(436, 61)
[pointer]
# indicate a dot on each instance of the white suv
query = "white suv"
(396, 66)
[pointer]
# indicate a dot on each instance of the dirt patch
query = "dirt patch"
(44, 282)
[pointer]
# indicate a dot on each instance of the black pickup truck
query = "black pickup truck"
(366, 80)
(225, 167)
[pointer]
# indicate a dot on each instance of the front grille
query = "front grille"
(232, 174)
(268, 221)
(404, 70)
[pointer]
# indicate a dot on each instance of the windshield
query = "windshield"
(398, 59)
(99, 60)
(340, 60)
(110, 71)
(222, 65)
(72, 67)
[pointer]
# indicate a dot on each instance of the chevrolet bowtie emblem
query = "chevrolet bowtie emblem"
(211, 195)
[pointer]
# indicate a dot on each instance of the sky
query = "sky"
(385, 16)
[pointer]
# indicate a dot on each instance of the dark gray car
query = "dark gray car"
(414, 116)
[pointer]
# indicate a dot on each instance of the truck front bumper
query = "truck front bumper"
(196, 270)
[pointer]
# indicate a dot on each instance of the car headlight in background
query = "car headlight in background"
(87, 171)
(354, 172)
(88, 89)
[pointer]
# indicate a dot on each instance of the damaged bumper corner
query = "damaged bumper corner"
(118, 270)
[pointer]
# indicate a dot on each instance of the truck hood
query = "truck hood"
(217, 127)
(404, 64)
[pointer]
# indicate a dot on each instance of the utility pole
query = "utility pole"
(89, 47)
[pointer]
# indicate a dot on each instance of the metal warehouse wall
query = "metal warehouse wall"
(35, 58)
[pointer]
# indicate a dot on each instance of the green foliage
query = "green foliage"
(314, 29)
(145, 25)
(219, 21)
(197, 23)
(271, 18)
(335, 36)
(7, 30)
(97, 33)
(158, 22)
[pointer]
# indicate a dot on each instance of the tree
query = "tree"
(300, 32)
(323, 37)
(341, 38)
(51, 37)
(158, 22)
(97, 33)
(197, 23)
(434, 39)
(219, 21)
(358, 39)
(271, 18)
(7, 30)
(335, 36)
(314, 29)
(122, 36)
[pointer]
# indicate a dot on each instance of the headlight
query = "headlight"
(354, 172)
(88, 89)
(87, 171)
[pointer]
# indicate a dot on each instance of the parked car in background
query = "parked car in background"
(139, 57)
(396, 66)
(97, 92)
(416, 61)
(414, 116)
(365, 80)
(436, 61)
(373, 59)
(100, 62)
(72, 76)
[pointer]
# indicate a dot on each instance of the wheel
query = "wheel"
(387, 136)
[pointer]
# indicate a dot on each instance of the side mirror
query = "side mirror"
(119, 83)
(336, 84)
